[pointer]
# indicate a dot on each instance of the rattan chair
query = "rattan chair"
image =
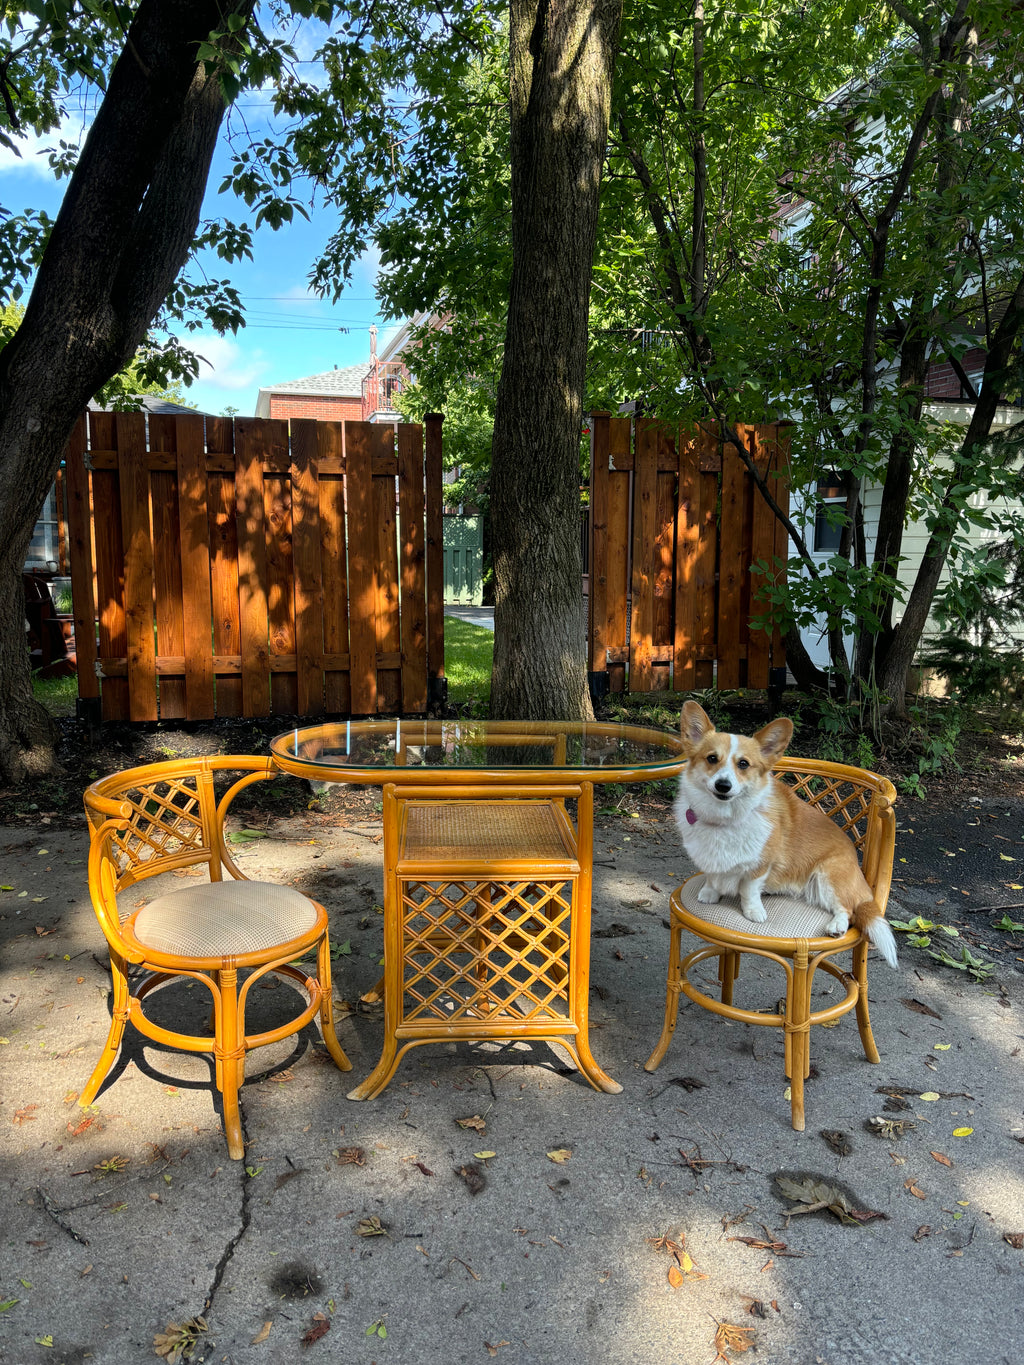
(793, 935)
(226, 934)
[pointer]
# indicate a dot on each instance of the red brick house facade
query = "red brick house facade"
(335, 396)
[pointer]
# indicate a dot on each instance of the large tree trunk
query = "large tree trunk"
(122, 235)
(562, 55)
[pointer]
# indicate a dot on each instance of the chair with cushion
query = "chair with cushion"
(226, 933)
(793, 935)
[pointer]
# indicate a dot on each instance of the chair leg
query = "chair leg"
(120, 1014)
(798, 1034)
(860, 971)
(229, 1060)
(728, 970)
(671, 998)
(330, 1038)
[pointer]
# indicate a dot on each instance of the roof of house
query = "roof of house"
(344, 383)
(148, 402)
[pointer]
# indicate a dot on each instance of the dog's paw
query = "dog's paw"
(838, 924)
(707, 895)
(755, 912)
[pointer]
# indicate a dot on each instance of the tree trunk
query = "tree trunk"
(561, 62)
(894, 666)
(123, 233)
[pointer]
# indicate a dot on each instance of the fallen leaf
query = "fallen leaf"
(262, 1334)
(475, 1122)
(688, 1083)
(919, 1007)
(914, 1189)
(178, 1340)
(560, 1155)
(321, 1326)
(484, 1156)
(925, 1230)
(25, 1114)
(929, 1095)
(371, 1227)
(425, 1169)
(890, 1129)
(837, 1141)
(1015, 1239)
(351, 1156)
(675, 1277)
(728, 1337)
(942, 1047)
(962, 1132)
(942, 1159)
(493, 1350)
(817, 1194)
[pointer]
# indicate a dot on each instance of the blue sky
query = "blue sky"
(290, 333)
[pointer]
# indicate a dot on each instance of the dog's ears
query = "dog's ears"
(773, 739)
(694, 724)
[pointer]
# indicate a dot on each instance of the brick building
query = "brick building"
(335, 396)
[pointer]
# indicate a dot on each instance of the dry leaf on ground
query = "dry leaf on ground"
(815, 1194)
(560, 1155)
(729, 1337)
(941, 1158)
(913, 1188)
(371, 1227)
(178, 1340)
(262, 1334)
(321, 1326)
(473, 1177)
(475, 1122)
(351, 1156)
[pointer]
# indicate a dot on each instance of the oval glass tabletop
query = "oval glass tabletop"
(365, 750)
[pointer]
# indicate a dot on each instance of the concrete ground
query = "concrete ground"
(128, 1218)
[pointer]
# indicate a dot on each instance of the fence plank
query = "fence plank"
(762, 547)
(250, 452)
(362, 551)
(194, 546)
(277, 511)
(620, 485)
(389, 630)
(597, 598)
(167, 566)
(227, 629)
(309, 597)
(731, 567)
(112, 638)
(137, 537)
(81, 561)
(411, 516)
(645, 530)
(687, 548)
(433, 471)
(709, 456)
(664, 553)
(780, 489)
(334, 566)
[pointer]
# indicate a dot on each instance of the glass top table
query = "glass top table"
(488, 869)
(486, 751)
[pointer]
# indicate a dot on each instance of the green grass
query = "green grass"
(468, 650)
(58, 695)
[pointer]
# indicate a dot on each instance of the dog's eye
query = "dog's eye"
(743, 763)
(712, 758)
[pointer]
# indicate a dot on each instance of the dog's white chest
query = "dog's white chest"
(732, 846)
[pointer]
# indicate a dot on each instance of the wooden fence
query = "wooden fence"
(241, 569)
(676, 523)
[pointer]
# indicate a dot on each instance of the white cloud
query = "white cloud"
(34, 147)
(226, 364)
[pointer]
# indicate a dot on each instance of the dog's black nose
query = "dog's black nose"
(723, 786)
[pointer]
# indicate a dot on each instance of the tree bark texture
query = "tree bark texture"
(562, 55)
(123, 233)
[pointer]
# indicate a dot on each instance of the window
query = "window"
(830, 494)
(44, 549)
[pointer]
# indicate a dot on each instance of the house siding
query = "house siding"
(324, 408)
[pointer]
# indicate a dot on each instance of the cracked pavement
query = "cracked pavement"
(128, 1218)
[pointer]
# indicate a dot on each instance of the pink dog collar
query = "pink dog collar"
(691, 818)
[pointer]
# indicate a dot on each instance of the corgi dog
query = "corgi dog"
(749, 833)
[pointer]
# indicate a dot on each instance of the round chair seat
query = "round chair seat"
(788, 917)
(221, 919)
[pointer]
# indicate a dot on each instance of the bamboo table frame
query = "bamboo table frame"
(517, 904)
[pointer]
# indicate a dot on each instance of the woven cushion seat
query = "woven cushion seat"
(462, 830)
(788, 917)
(224, 918)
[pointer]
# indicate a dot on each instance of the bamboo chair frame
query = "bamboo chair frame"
(158, 818)
(861, 803)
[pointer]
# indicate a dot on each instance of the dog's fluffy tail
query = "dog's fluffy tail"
(870, 919)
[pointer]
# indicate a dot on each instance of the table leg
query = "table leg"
(579, 952)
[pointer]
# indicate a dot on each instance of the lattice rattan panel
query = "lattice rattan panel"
(846, 803)
(166, 819)
(485, 950)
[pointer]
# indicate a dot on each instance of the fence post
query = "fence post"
(437, 683)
